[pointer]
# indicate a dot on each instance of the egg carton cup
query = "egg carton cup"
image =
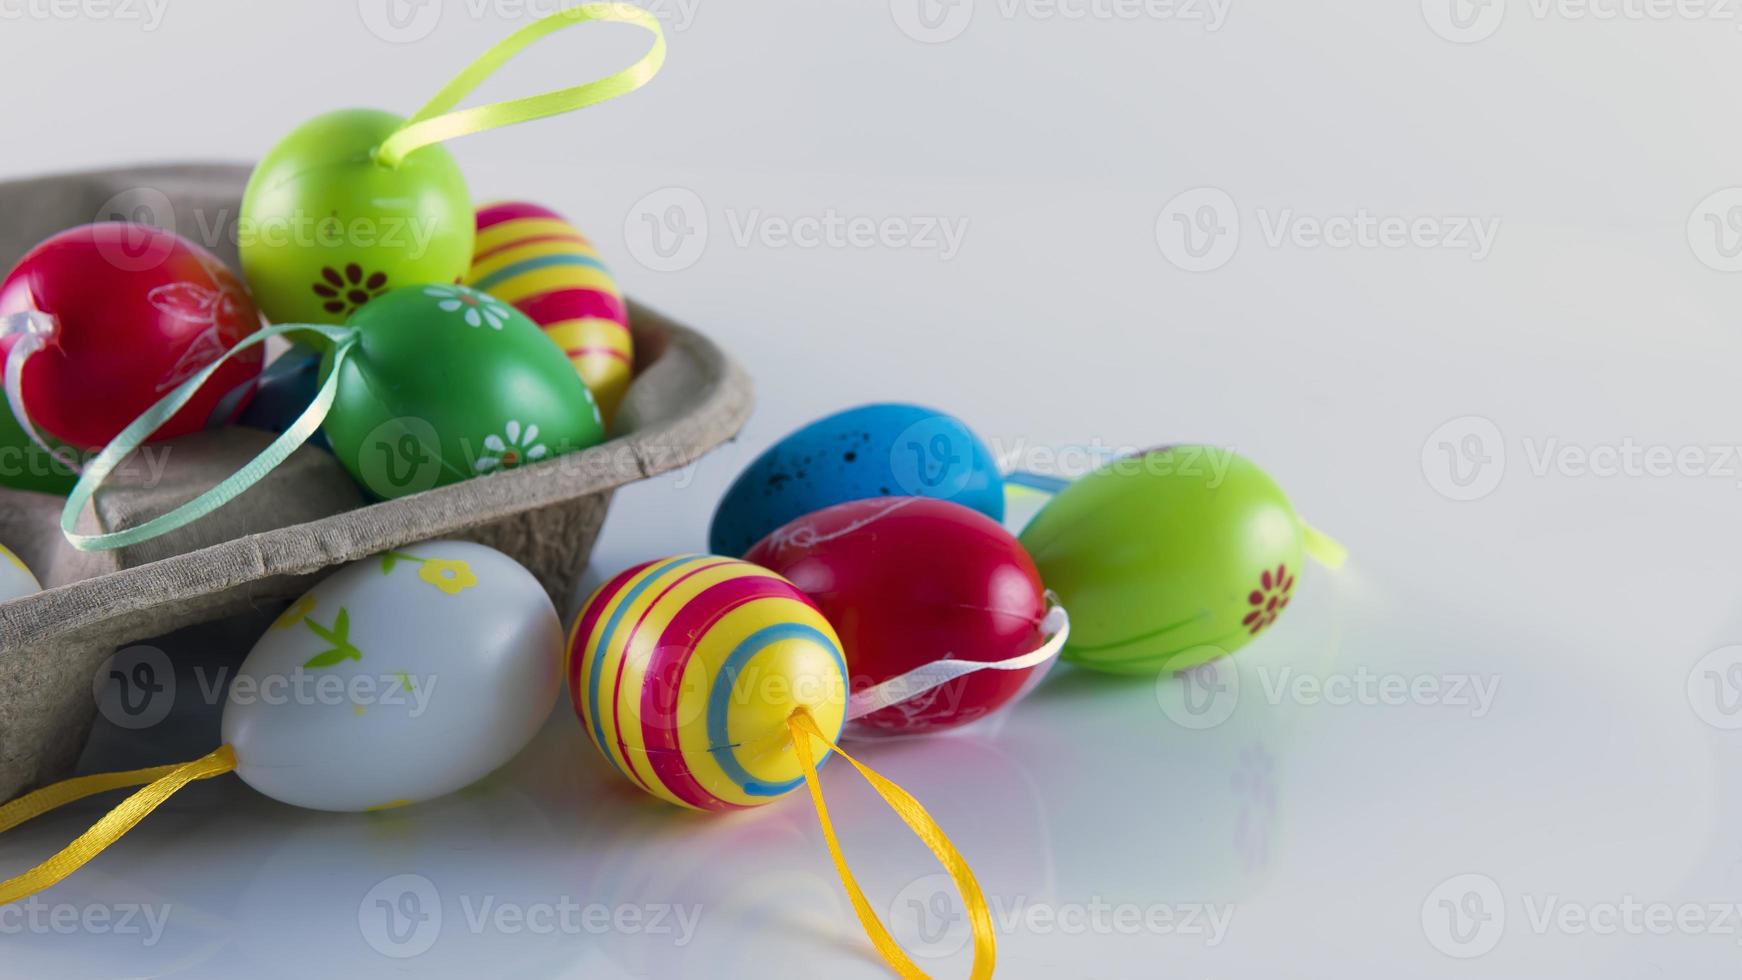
(276, 540)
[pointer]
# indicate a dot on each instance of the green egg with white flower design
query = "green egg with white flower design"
(444, 383)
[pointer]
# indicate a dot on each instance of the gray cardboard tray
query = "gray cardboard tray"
(277, 539)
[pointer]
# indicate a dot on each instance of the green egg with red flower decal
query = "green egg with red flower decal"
(444, 383)
(326, 227)
(1169, 559)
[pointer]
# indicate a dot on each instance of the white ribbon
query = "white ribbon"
(34, 330)
(1056, 625)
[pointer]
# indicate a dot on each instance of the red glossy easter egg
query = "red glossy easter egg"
(133, 312)
(908, 581)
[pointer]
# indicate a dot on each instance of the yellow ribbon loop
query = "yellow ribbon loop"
(1323, 548)
(160, 783)
(434, 123)
(804, 728)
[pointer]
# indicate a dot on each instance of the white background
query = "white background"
(1526, 446)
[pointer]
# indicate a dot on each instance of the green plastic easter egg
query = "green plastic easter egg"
(26, 466)
(1168, 559)
(325, 228)
(445, 383)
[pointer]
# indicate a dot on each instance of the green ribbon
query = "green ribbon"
(434, 123)
(132, 437)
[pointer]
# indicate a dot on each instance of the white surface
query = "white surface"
(1603, 772)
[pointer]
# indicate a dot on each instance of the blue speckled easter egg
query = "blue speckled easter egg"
(287, 386)
(890, 450)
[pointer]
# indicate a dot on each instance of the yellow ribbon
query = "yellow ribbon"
(804, 728)
(1323, 548)
(160, 783)
(434, 123)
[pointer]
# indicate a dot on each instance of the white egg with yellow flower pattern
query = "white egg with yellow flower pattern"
(16, 581)
(396, 680)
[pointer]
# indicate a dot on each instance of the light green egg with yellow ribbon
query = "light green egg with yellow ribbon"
(1171, 558)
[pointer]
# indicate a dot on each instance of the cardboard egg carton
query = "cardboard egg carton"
(275, 540)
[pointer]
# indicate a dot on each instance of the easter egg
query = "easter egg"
(447, 383)
(287, 385)
(131, 311)
(1168, 559)
(396, 680)
(16, 581)
(26, 466)
(325, 228)
(685, 670)
(887, 450)
(910, 581)
(530, 257)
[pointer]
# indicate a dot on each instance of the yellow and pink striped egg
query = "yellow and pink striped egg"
(685, 671)
(531, 258)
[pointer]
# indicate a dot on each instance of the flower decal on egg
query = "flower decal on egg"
(339, 635)
(477, 309)
(516, 445)
(346, 292)
(1269, 600)
(294, 613)
(451, 575)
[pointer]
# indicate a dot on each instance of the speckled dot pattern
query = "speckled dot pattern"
(885, 450)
